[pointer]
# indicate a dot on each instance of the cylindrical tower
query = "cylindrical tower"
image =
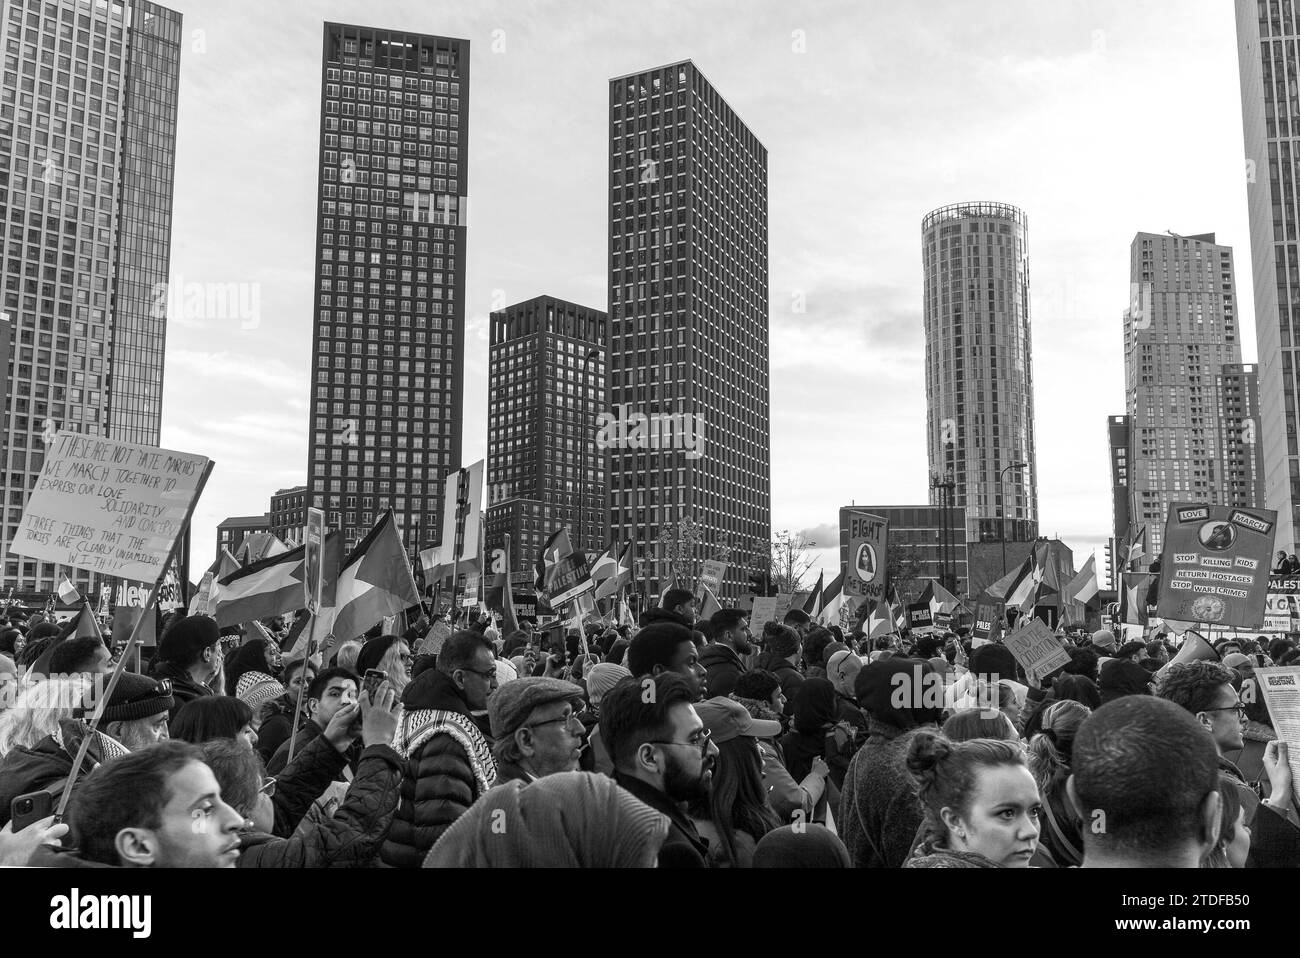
(979, 380)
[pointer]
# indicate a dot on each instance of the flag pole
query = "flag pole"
(131, 643)
(297, 709)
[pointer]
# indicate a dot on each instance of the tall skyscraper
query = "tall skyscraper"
(1117, 433)
(1239, 423)
(388, 349)
(979, 378)
(546, 386)
(87, 145)
(688, 325)
(1267, 33)
(1180, 332)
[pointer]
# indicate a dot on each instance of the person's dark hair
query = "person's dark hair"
(1130, 648)
(1154, 648)
(627, 720)
(617, 651)
(128, 792)
(1290, 658)
(513, 642)
(249, 657)
(656, 644)
(1194, 686)
(927, 647)
(183, 642)
(738, 799)
(756, 684)
(34, 650)
(796, 617)
(675, 597)
(292, 666)
(1083, 661)
(459, 649)
(237, 770)
(1229, 809)
(74, 655)
(321, 682)
(882, 643)
(1076, 688)
(1147, 765)
(1051, 749)
(1276, 649)
(723, 621)
(980, 723)
(814, 643)
(7, 639)
(210, 716)
(423, 663)
(946, 773)
(993, 662)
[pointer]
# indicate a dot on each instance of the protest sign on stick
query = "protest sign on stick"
(764, 611)
(1215, 565)
(1037, 649)
(1281, 690)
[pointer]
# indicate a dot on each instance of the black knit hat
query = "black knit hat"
(185, 640)
(137, 697)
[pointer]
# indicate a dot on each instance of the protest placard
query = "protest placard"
(314, 581)
(764, 611)
(110, 507)
(988, 622)
(1036, 648)
(919, 617)
(1281, 689)
(868, 538)
(711, 577)
(1215, 564)
(783, 602)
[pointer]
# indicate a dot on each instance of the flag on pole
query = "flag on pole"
(561, 569)
(1132, 598)
(710, 604)
(603, 566)
(375, 581)
(832, 601)
(1137, 548)
(881, 620)
(621, 577)
(813, 604)
(268, 587)
(1084, 585)
(499, 595)
(68, 593)
(258, 546)
(624, 612)
(938, 599)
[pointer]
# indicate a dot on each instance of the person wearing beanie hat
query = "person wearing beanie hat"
(781, 657)
(189, 656)
(1120, 677)
(134, 718)
(602, 677)
(536, 727)
(879, 813)
(566, 820)
(1103, 642)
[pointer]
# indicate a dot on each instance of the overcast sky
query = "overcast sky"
(1097, 119)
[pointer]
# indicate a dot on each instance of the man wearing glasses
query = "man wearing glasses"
(1206, 690)
(662, 755)
(536, 727)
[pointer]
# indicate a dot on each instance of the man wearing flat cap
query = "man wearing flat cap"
(536, 728)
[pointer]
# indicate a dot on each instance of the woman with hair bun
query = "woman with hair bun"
(981, 803)
(1050, 757)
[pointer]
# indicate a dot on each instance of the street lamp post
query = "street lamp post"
(1002, 476)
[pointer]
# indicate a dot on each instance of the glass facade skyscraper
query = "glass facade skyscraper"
(87, 143)
(688, 323)
(388, 343)
(979, 376)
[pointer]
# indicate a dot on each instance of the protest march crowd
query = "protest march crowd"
(683, 742)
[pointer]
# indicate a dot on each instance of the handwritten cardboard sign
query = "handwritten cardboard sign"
(110, 507)
(1037, 649)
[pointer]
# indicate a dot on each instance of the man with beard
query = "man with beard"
(668, 647)
(662, 755)
(730, 639)
(134, 718)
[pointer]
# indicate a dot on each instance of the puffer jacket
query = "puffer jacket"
(310, 773)
(352, 837)
(790, 678)
(439, 779)
(724, 668)
(277, 726)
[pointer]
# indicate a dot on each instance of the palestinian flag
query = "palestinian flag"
(620, 577)
(1084, 585)
(710, 604)
(1132, 598)
(881, 620)
(813, 604)
(832, 601)
(375, 581)
(271, 586)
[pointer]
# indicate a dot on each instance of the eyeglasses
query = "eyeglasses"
(407, 659)
(563, 719)
(268, 788)
(162, 688)
(487, 675)
(1238, 708)
(702, 743)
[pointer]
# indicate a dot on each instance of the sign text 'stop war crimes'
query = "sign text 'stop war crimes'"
(1215, 565)
(110, 507)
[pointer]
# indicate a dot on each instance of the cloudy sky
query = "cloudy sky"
(1098, 119)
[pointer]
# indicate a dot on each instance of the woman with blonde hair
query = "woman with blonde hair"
(40, 707)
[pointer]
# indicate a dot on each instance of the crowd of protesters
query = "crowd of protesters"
(681, 743)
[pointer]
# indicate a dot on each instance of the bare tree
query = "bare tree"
(904, 567)
(789, 561)
(682, 543)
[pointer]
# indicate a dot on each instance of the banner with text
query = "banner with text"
(868, 539)
(107, 506)
(1215, 564)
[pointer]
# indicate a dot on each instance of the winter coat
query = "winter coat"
(277, 725)
(879, 812)
(313, 769)
(1274, 839)
(184, 688)
(440, 778)
(45, 764)
(724, 667)
(934, 856)
(651, 616)
(348, 840)
(683, 848)
(784, 793)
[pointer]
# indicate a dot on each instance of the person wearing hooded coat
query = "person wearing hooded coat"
(879, 813)
(817, 732)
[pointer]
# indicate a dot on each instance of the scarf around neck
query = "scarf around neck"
(423, 724)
